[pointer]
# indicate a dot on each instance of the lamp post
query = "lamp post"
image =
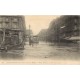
(60, 35)
(29, 35)
(29, 30)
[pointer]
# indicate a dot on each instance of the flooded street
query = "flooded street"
(43, 51)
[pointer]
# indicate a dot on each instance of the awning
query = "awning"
(73, 38)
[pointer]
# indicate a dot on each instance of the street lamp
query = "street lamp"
(29, 35)
(60, 36)
(29, 30)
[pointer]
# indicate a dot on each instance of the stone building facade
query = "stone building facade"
(12, 30)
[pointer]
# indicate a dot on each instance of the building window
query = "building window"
(0, 25)
(6, 19)
(75, 20)
(1, 19)
(15, 25)
(4, 24)
(79, 27)
(7, 24)
(15, 20)
(75, 33)
(75, 28)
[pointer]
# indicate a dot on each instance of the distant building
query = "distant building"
(29, 32)
(43, 35)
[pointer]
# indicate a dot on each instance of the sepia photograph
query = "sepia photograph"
(39, 39)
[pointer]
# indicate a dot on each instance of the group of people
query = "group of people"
(33, 41)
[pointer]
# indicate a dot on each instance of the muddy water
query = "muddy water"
(43, 51)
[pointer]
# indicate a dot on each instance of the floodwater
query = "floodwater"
(43, 51)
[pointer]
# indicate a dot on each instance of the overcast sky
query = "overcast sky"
(38, 22)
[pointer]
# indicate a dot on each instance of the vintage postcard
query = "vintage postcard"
(39, 39)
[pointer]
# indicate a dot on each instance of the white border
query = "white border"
(39, 72)
(39, 7)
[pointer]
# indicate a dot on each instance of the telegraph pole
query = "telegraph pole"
(29, 35)
(29, 31)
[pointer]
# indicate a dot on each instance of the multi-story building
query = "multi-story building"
(71, 29)
(42, 35)
(65, 28)
(12, 30)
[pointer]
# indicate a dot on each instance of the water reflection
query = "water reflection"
(12, 54)
(44, 51)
